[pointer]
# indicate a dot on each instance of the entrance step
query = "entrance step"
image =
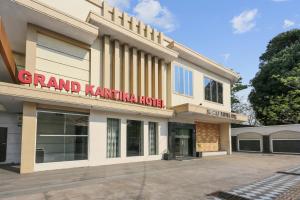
(213, 153)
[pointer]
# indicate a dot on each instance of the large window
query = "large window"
(113, 138)
(135, 138)
(152, 138)
(213, 90)
(183, 81)
(61, 137)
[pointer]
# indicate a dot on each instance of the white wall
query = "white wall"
(76, 8)
(10, 121)
(97, 142)
(267, 130)
(198, 87)
(62, 60)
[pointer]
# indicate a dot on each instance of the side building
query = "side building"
(88, 85)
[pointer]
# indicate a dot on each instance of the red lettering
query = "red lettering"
(89, 90)
(99, 92)
(64, 85)
(126, 97)
(142, 100)
(159, 103)
(39, 79)
(108, 94)
(133, 99)
(52, 83)
(25, 77)
(75, 87)
(149, 101)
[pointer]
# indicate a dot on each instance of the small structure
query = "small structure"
(267, 139)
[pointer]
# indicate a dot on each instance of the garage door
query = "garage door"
(286, 146)
(249, 145)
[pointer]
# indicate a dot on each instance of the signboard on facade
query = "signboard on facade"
(217, 113)
(74, 87)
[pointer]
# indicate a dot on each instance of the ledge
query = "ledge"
(201, 61)
(45, 16)
(43, 96)
(201, 113)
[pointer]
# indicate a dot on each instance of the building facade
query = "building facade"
(267, 139)
(84, 84)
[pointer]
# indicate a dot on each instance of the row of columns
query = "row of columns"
(131, 70)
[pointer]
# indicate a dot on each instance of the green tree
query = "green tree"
(275, 96)
(235, 101)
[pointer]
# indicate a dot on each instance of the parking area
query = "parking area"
(192, 179)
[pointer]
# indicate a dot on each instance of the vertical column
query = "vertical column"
(95, 73)
(106, 71)
(225, 138)
(125, 20)
(169, 85)
(162, 84)
(146, 138)
(97, 142)
(155, 77)
(123, 138)
(30, 57)
(141, 74)
(125, 69)
(133, 71)
(148, 74)
(116, 67)
(28, 142)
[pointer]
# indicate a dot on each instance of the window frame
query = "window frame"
(178, 85)
(211, 92)
(156, 138)
(119, 138)
(65, 113)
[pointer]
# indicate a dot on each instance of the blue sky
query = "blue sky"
(231, 32)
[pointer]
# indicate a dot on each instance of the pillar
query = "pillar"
(28, 141)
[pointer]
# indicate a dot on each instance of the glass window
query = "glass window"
(214, 94)
(153, 138)
(207, 89)
(213, 90)
(220, 93)
(113, 138)
(135, 138)
(61, 137)
(190, 83)
(183, 81)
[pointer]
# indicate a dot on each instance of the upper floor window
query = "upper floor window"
(183, 81)
(213, 90)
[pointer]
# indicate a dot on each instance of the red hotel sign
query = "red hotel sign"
(25, 77)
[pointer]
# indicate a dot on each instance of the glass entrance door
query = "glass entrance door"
(183, 140)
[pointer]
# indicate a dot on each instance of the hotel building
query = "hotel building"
(84, 84)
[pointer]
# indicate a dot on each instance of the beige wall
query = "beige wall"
(28, 140)
(198, 88)
(63, 60)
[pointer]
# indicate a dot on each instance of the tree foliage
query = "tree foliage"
(275, 96)
(235, 101)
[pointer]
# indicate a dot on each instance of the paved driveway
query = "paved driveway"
(161, 180)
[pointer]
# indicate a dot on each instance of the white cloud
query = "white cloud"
(245, 21)
(153, 13)
(121, 4)
(288, 23)
(226, 57)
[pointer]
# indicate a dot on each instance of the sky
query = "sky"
(233, 33)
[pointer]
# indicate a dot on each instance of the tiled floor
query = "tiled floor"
(193, 179)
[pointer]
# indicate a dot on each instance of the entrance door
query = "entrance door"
(3, 144)
(183, 143)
